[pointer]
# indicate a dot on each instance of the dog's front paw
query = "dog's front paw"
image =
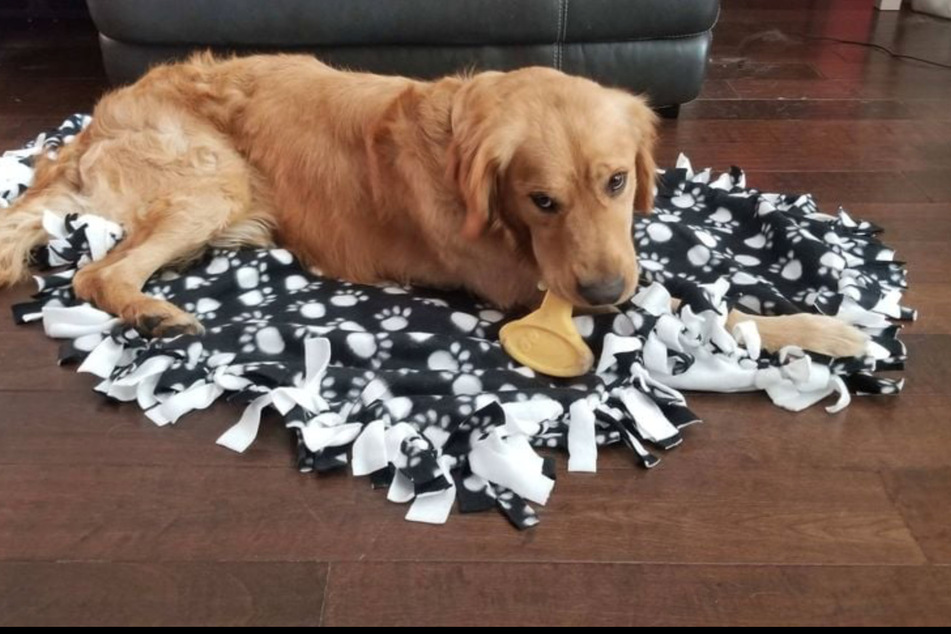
(160, 319)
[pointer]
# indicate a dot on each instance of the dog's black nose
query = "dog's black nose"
(603, 292)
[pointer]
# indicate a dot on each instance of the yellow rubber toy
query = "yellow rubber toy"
(547, 340)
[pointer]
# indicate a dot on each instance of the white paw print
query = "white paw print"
(384, 350)
(262, 338)
(394, 319)
(654, 232)
(250, 316)
(259, 297)
(722, 219)
(347, 298)
(414, 449)
(831, 263)
(654, 267)
(307, 309)
(394, 289)
(837, 241)
(341, 323)
(358, 384)
(432, 301)
(204, 308)
(252, 274)
(430, 417)
(692, 200)
(161, 292)
(506, 500)
(456, 359)
(299, 283)
(797, 233)
(814, 296)
(788, 267)
(327, 388)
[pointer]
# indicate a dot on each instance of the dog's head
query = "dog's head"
(560, 164)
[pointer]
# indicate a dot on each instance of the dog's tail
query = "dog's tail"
(55, 188)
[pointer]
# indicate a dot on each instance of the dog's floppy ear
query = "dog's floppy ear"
(481, 149)
(645, 122)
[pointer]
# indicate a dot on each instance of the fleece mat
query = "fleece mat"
(410, 386)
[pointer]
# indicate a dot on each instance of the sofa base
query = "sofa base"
(670, 71)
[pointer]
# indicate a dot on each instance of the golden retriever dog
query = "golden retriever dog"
(494, 183)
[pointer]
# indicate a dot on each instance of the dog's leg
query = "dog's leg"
(173, 229)
(815, 333)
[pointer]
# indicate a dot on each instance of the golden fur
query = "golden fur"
(363, 177)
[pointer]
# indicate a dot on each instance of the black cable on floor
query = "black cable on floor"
(877, 47)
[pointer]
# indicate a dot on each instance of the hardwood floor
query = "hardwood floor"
(761, 518)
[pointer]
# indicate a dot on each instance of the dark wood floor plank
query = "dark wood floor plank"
(901, 87)
(739, 67)
(28, 361)
(83, 428)
(925, 222)
(928, 108)
(933, 301)
(784, 145)
(605, 595)
(835, 188)
(176, 594)
(923, 495)
(19, 97)
(717, 89)
(827, 110)
(936, 183)
(54, 512)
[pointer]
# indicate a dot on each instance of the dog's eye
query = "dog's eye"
(545, 203)
(617, 182)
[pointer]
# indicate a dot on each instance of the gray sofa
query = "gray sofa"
(658, 47)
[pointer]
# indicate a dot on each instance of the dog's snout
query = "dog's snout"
(602, 292)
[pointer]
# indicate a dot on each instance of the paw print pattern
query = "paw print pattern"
(814, 296)
(393, 319)
(262, 338)
(341, 323)
(722, 220)
(455, 359)
(205, 308)
(655, 232)
(312, 310)
(431, 417)
(432, 301)
(788, 267)
(692, 199)
(654, 268)
(348, 297)
(162, 291)
(299, 284)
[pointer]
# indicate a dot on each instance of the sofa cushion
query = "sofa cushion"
(290, 23)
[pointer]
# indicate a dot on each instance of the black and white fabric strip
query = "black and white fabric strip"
(410, 387)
